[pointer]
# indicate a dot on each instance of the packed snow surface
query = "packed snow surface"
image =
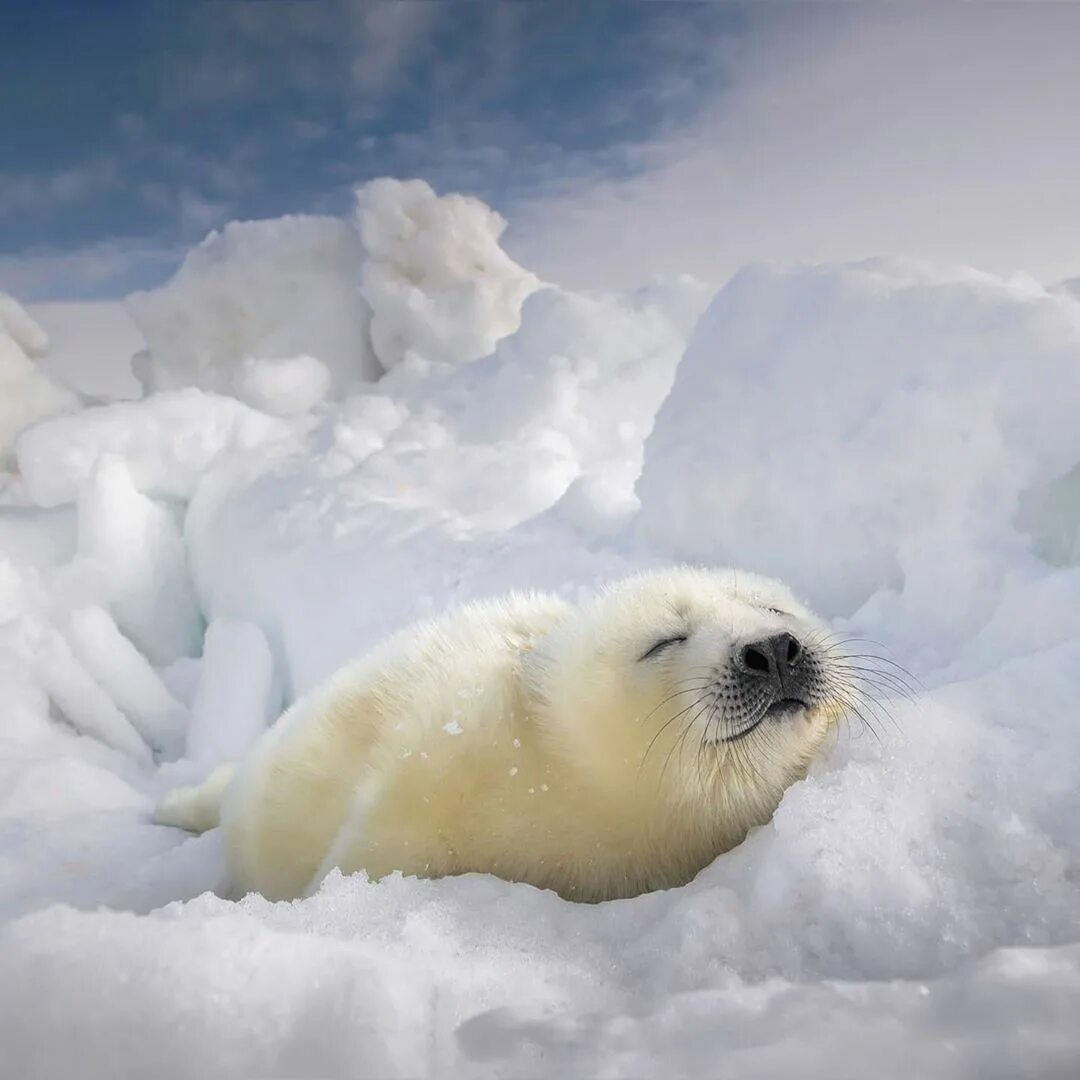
(348, 425)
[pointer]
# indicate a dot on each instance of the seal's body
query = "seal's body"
(601, 751)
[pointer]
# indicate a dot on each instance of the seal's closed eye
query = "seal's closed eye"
(661, 645)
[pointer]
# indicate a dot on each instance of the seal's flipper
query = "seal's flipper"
(197, 809)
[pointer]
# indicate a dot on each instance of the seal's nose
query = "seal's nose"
(771, 658)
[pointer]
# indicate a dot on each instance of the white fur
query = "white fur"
(525, 738)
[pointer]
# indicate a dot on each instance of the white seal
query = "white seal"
(600, 751)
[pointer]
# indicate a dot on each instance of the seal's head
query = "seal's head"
(702, 690)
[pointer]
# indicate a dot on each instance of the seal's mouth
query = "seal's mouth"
(785, 706)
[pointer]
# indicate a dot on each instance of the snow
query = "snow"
(166, 443)
(26, 393)
(237, 698)
(90, 347)
(875, 370)
(128, 678)
(132, 546)
(414, 275)
(438, 284)
(257, 288)
(896, 439)
(288, 387)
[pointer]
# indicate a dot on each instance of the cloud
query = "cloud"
(951, 133)
(43, 192)
(258, 50)
(97, 271)
(386, 37)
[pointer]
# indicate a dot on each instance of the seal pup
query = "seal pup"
(600, 750)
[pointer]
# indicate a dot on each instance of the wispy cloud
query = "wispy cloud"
(952, 133)
(41, 192)
(97, 271)
(386, 37)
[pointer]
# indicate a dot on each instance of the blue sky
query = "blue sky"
(131, 128)
(620, 139)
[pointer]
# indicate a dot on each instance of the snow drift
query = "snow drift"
(895, 439)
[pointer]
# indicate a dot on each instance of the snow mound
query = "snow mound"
(437, 282)
(262, 289)
(27, 394)
(569, 397)
(416, 275)
(435, 457)
(283, 387)
(851, 427)
(167, 442)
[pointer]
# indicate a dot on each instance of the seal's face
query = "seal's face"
(704, 684)
(739, 658)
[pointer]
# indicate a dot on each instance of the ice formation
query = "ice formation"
(437, 282)
(27, 394)
(257, 289)
(414, 275)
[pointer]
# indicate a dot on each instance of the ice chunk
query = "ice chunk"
(128, 677)
(21, 328)
(283, 387)
(27, 394)
(37, 537)
(571, 395)
(82, 701)
(238, 695)
(846, 427)
(133, 547)
(181, 678)
(168, 442)
(1050, 512)
(258, 288)
(437, 282)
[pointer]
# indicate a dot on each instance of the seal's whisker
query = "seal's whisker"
(856, 702)
(666, 725)
(873, 656)
(886, 685)
(678, 742)
(670, 697)
(881, 679)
